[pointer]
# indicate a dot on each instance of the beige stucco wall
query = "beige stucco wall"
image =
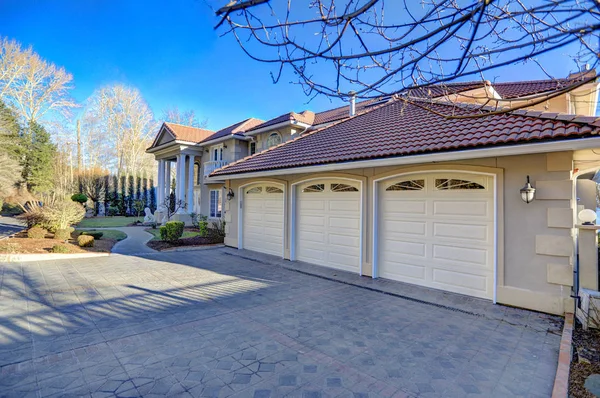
(534, 240)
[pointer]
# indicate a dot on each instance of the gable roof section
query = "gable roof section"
(236, 128)
(187, 133)
(400, 129)
(306, 117)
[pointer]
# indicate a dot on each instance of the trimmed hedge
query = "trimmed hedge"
(60, 248)
(95, 234)
(172, 231)
(36, 233)
(85, 241)
(79, 198)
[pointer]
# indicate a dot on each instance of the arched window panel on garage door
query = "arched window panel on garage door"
(408, 185)
(343, 188)
(444, 184)
(273, 190)
(254, 190)
(314, 188)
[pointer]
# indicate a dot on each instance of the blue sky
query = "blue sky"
(169, 51)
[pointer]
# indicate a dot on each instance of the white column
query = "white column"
(190, 192)
(180, 181)
(167, 182)
(160, 190)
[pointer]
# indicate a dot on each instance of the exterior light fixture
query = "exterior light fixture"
(230, 194)
(528, 192)
(587, 216)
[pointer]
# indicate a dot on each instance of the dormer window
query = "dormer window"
(274, 139)
(252, 148)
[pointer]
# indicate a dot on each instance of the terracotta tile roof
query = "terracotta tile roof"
(306, 117)
(440, 90)
(187, 133)
(237, 128)
(400, 129)
(343, 112)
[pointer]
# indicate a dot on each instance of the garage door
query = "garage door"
(328, 224)
(437, 230)
(263, 219)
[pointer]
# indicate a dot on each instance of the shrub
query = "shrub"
(112, 211)
(85, 241)
(11, 209)
(63, 233)
(203, 225)
(9, 247)
(172, 231)
(79, 198)
(36, 232)
(60, 248)
(95, 234)
(62, 214)
(217, 230)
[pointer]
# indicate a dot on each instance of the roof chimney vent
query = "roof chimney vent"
(352, 95)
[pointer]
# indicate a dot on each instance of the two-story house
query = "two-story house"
(394, 188)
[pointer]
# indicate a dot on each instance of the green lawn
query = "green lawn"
(107, 233)
(103, 222)
(186, 234)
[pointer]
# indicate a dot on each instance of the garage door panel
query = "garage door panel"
(461, 254)
(351, 206)
(440, 237)
(344, 241)
(405, 227)
(461, 231)
(461, 208)
(348, 262)
(311, 204)
(344, 222)
(410, 207)
(398, 247)
(460, 280)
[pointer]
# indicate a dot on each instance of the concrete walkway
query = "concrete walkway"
(134, 244)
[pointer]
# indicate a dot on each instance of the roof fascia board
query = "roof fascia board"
(523, 149)
(276, 126)
(224, 138)
(169, 144)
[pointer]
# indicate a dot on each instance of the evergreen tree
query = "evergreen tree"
(114, 199)
(131, 196)
(138, 188)
(152, 196)
(11, 134)
(145, 191)
(123, 197)
(107, 193)
(38, 160)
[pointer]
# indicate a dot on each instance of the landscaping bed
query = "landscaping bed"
(586, 360)
(190, 237)
(108, 222)
(21, 244)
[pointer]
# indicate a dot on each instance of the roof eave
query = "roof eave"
(477, 153)
(224, 138)
(276, 126)
(157, 148)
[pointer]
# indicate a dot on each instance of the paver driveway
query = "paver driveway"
(213, 323)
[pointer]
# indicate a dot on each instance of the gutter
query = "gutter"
(222, 139)
(523, 149)
(168, 144)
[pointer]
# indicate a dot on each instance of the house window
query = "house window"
(411, 185)
(252, 148)
(343, 188)
(254, 190)
(217, 153)
(215, 203)
(273, 190)
(274, 139)
(314, 188)
(451, 183)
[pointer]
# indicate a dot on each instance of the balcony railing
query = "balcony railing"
(211, 166)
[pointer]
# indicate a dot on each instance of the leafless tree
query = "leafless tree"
(378, 48)
(118, 127)
(32, 86)
(187, 118)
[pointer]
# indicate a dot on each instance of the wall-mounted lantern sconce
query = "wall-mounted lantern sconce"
(224, 146)
(587, 216)
(528, 192)
(230, 194)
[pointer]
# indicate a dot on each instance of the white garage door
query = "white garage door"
(437, 230)
(328, 224)
(263, 219)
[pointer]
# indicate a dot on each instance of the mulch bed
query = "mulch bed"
(185, 242)
(586, 360)
(21, 244)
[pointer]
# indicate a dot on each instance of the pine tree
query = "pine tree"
(138, 188)
(11, 134)
(38, 160)
(114, 199)
(123, 197)
(152, 195)
(107, 193)
(145, 191)
(130, 197)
